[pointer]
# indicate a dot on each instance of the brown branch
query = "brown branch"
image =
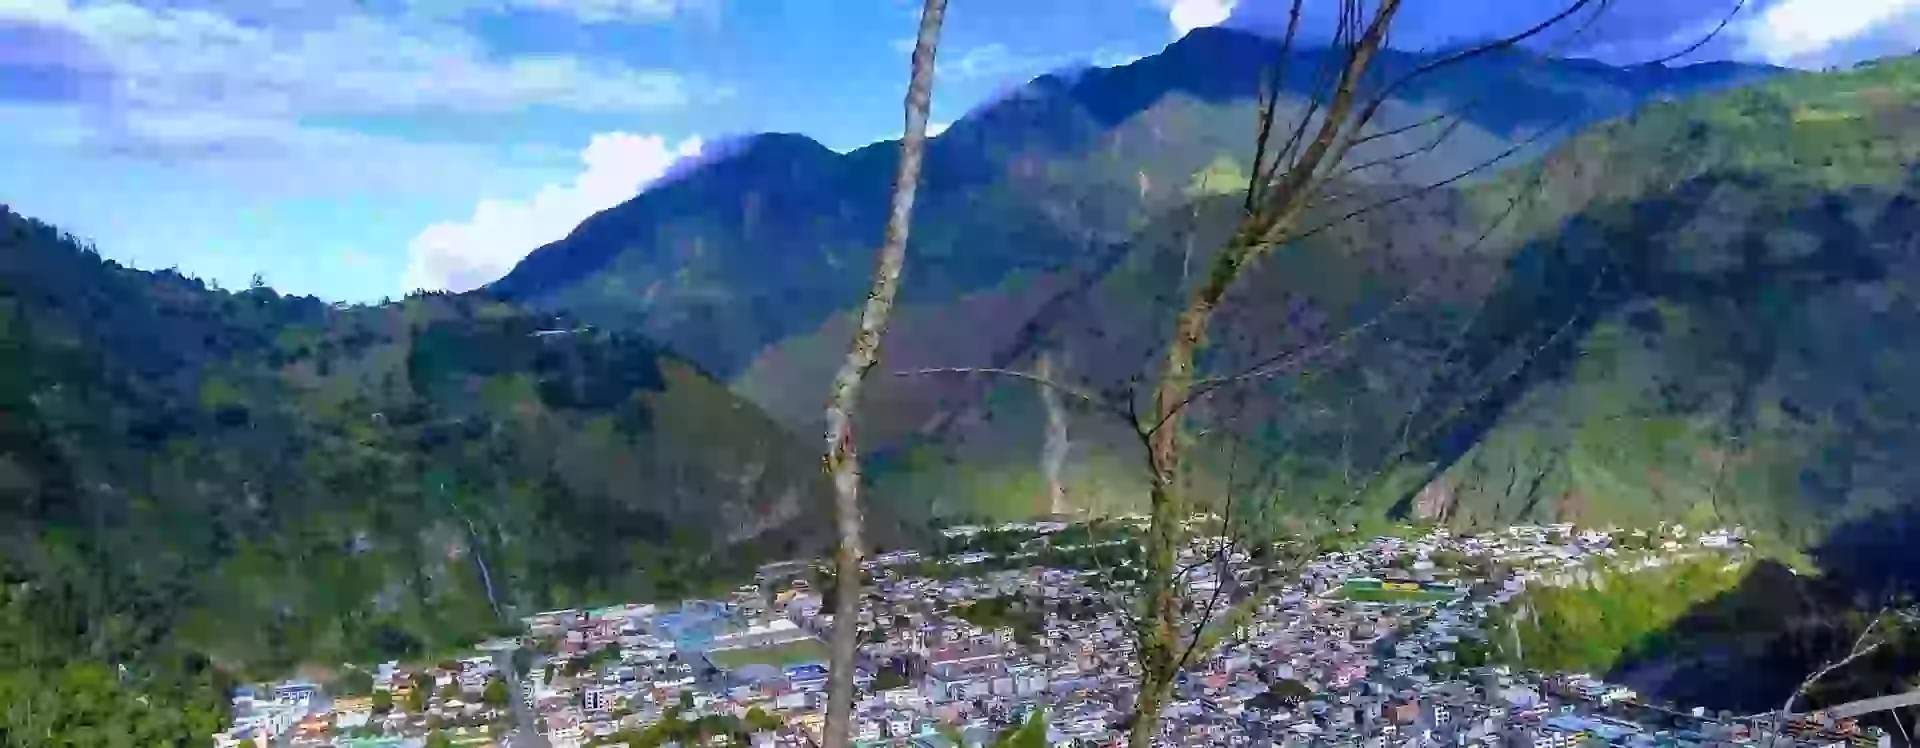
(1285, 359)
(1738, 5)
(1277, 363)
(1409, 194)
(1372, 108)
(842, 461)
(1324, 79)
(1221, 558)
(1453, 344)
(1438, 140)
(1062, 388)
(1257, 180)
(1863, 645)
(1355, 138)
(1461, 407)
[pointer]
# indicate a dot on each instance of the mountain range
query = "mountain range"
(1684, 292)
(1034, 237)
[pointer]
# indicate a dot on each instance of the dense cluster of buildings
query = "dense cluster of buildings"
(402, 706)
(1377, 645)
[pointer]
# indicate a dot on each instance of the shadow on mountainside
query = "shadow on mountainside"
(1748, 648)
(1723, 287)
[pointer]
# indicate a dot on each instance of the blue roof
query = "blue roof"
(1574, 723)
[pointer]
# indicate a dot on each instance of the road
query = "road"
(1876, 704)
(524, 734)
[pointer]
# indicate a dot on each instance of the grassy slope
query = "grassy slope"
(1590, 628)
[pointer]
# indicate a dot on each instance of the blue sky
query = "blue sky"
(354, 149)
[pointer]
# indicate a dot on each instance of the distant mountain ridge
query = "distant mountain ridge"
(768, 242)
(751, 264)
(1698, 311)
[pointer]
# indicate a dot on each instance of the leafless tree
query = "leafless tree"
(1290, 196)
(842, 455)
(1291, 172)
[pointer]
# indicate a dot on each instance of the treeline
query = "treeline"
(70, 680)
(998, 541)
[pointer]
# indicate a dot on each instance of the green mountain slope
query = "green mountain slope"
(1700, 311)
(748, 263)
(264, 481)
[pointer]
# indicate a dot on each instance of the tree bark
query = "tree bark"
(842, 456)
(1274, 211)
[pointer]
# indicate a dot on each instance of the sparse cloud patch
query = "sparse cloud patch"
(1808, 33)
(1187, 15)
(462, 255)
(360, 64)
(991, 61)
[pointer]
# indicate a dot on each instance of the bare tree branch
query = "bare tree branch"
(842, 459)
(1863, 645)
(1265, 108)
(1738, 5)
(1503, 155)
(1406, 446)
(1052, 384)
(1220, 558)
(1372, 108)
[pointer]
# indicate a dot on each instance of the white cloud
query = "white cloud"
(466, 254)
(1803, 31)
(935, 128)
(606, 11)
(992, 61)
(1109, 58)
(258, 155)
(351, 64)
(1187, 15)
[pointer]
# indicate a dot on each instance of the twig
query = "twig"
(1424, 189)
(1863, 645)
(1702, 41)
(1035, 378)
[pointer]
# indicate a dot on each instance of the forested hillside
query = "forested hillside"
(752, 263)
(255, 482)
(1697, 311)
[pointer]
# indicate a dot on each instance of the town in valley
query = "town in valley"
(1384, 641)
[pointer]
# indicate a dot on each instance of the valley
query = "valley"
(1607, 297)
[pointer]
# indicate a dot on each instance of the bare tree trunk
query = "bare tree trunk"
(842, 456)
(1289, 178)
(1275, 207)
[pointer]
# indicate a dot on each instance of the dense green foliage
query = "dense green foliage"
(191, 475)
(1696, 312)
(1030, 734)
(723, 729)
(1590, 627)
(1023, 615)
(889, 678)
